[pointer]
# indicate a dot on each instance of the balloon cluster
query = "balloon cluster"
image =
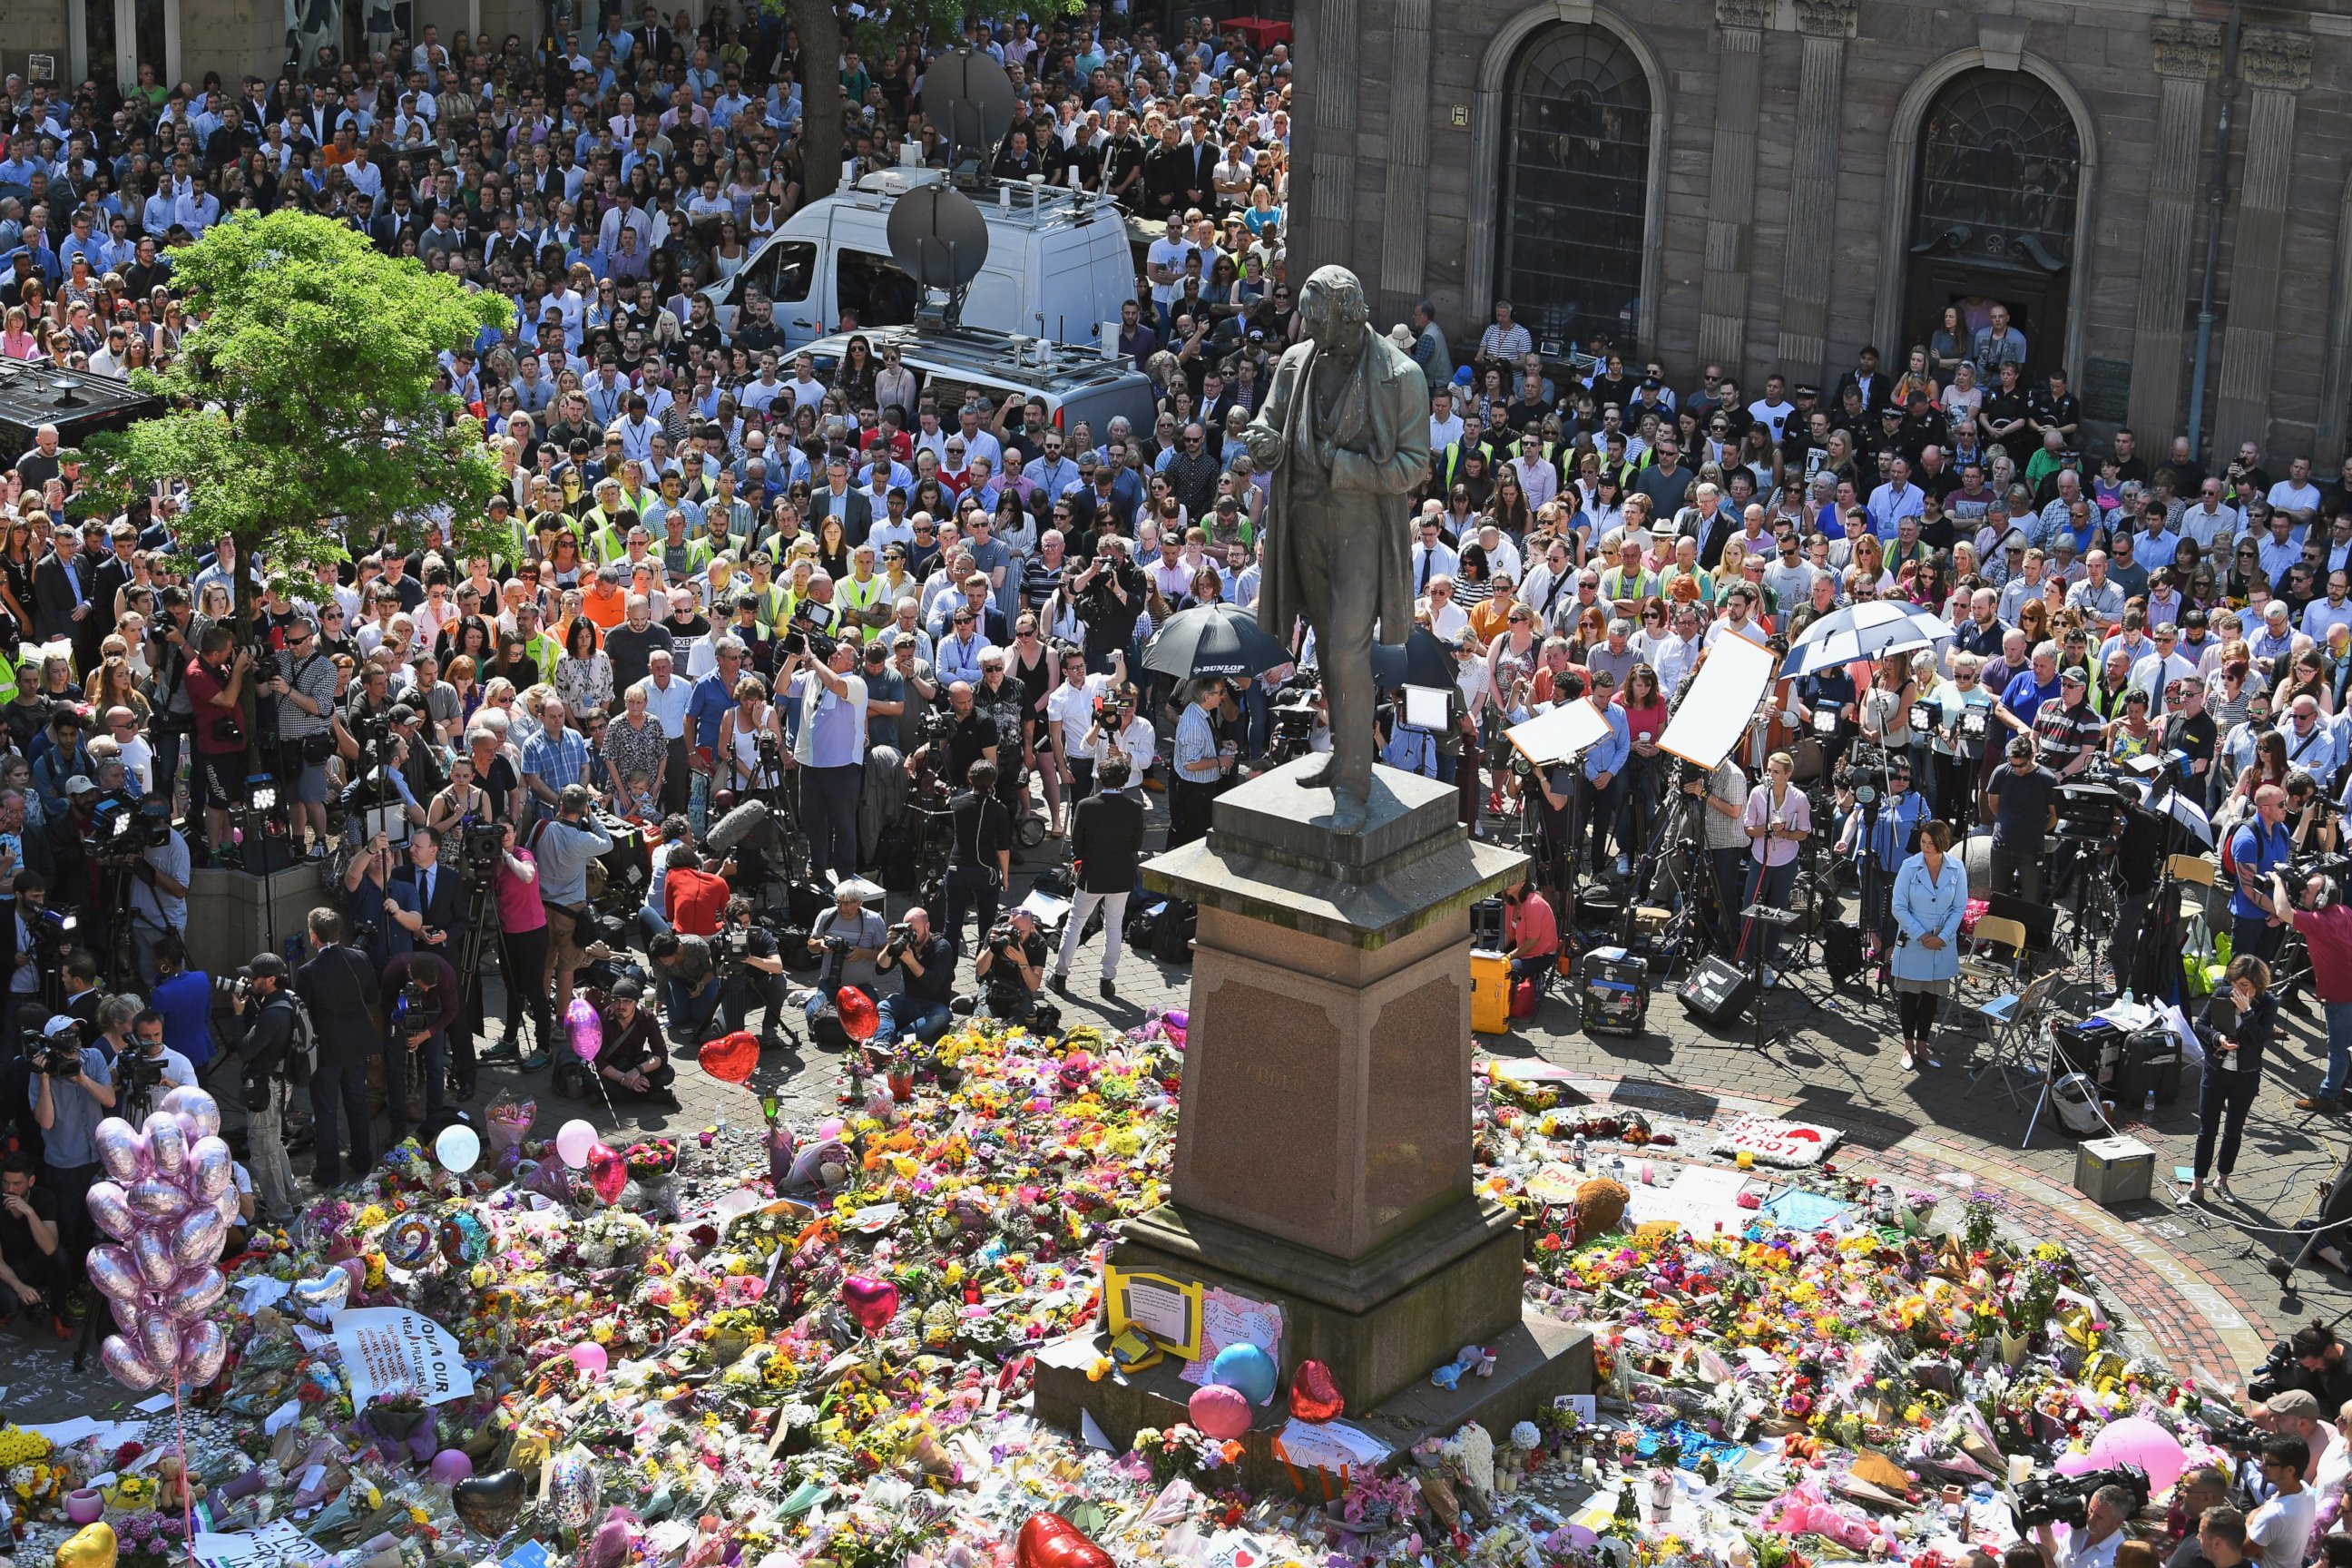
(168, 1204)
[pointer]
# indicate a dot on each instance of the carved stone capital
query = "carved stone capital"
(1751, 14)
(2189, 49)
(1826, 18)
(2279, 61)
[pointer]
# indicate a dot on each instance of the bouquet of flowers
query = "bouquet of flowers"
(148, 1540)
(1181, 1450)
(506, 1121)
(653, 1157)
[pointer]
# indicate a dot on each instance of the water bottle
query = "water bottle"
(2148, 1111)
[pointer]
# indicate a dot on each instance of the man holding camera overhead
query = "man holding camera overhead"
(72, 1090)
(829, 745)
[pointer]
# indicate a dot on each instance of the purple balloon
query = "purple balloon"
(129, 1367)
(127, 1314)
(110, 1208)
(115, 1274)
(121, 1150)
(157, 1198)
(451, 1466)
(151, 1250)
(166, 1144)
(212, 1169)
(159, 1339)
(202, 1348)
(196, 1240)
(199, 1106)
(195, 1294)
(188, 1128)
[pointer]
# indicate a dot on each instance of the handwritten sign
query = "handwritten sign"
(1167, 1310)
(272, 1543)
(1771, 1141)
(1227, 1319)
(388, 1350)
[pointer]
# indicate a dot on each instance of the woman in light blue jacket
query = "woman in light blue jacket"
(1931, 895)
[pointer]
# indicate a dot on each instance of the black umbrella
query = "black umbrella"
(1213, 639)
(1419, 661)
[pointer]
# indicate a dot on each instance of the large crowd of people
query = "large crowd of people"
(906, 617)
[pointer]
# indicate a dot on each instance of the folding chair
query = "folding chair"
(1992, 957)
(2013, 1028)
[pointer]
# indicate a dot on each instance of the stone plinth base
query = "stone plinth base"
(1536, 1359)
(232, 915)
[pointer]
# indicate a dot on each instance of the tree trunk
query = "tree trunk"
(821, 108)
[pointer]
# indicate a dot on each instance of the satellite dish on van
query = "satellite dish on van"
(968, 96)
(940, 238)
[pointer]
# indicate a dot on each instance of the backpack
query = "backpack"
(301, 1056)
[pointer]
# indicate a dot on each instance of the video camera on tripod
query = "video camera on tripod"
(123, 827)
(480, 846)
(2052, 1499)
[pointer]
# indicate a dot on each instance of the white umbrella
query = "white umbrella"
(1872, 629)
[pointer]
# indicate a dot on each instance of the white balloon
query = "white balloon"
(458, 1148)
(573, 1142)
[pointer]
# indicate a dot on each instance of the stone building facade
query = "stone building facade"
(1771, 184)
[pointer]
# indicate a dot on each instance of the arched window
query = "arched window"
(1576, 184)
(2000, 165)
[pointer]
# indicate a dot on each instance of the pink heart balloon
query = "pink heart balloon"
(608, 1174)
(873, 1302)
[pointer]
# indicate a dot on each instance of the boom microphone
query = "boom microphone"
(752, 820)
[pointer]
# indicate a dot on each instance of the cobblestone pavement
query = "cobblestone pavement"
(2194, 1279)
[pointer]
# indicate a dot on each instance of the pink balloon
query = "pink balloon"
(2075, 1462)
(151, 1250)
(451, 1466)
(196, 1293)
(198, 1106)
(586, 1028)
(203, 1349)
(129, 1367)
(212, 1169)
(590, 1358)
(608, 1174)
(121, 1150)
(166, 1144)
(159, 1339)
(196, 1239)
(2136, 1440)
(127, 1314)
(156, 1199)
(109, 1209)
(828, 1129)
(573, 1142)
(1221, 1411)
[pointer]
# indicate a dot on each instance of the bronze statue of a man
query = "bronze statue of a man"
(1345, 431)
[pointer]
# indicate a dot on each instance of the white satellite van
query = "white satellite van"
(1059, 264)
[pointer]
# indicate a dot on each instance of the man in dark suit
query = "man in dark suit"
(838, 497)
(107, 579)
(337, 984)
(399, 217)
(60, 587)
(1866, 378)
(1106, 838)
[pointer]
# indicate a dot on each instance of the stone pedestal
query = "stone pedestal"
(232, 915)
(1323, 1158)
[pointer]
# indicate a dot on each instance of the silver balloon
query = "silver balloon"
(197, 1104)
(159, 1339)
(157, 1198)
(166, 1144)
(109, 1209)
(195, 1293)
(196, 1240)
(212, 1168)
(151, 1250)
(202, 1348)
(115, 1273)
(121, 1150)
(130, 1368)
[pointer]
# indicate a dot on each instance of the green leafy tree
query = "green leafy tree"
(824, 106)
(301, 415)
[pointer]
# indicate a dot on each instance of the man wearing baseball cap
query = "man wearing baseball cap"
(2068, 729)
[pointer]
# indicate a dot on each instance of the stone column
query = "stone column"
(1404, 218)
(1328, 41)
(2277, 66)
(1809, 258)
(1731, 182)
(2186, 55)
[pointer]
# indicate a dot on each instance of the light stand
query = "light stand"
(261, 795)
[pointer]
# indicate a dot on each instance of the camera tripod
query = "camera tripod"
(481, 926)
(1675, 827)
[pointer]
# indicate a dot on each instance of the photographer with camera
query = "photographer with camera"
(338, 986)
(71, 1091)
(216, 681)
(268, 1035)
(981, 862)
(632, 1061)
(1111, 592)
(523, 928)
(2091, 1544)
(34, 943)
(689, 979)
(182, 998)
(926, 964)
(32, 1268)
(751, 973)
(159, 883)
(829, 748)
(426, 999)
(1011, 967)
(1105, 844)
(851, 937)
(564, 844)
(302, 683)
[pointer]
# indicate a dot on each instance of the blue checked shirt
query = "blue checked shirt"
(560, 761)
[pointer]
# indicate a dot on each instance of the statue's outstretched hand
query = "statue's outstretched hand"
(1264, 445)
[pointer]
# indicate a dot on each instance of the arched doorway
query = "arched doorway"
(1994, 214)
(1573, 228)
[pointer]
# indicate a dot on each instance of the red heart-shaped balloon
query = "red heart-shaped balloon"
(1314, 1397)
(873, 1302)
(1049, 1541)
(608, 1174)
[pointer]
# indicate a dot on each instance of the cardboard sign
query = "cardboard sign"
(1769, 1141)
(388, 1350)
(1167, 1310)
(274, 1542)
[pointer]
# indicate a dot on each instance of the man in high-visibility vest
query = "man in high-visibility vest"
(865, 593)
